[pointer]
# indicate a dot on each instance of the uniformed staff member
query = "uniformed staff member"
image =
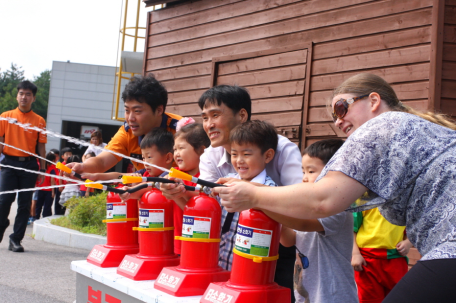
(12, 179)
(145, 100)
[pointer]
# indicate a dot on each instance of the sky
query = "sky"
(35, 33)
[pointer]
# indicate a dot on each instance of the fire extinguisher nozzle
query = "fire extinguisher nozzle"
(131, 179)
(90, 183)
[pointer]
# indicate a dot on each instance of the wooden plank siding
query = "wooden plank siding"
(448, 92)
(277, 92)
(390, 38)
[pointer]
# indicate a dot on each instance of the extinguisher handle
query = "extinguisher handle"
(116, 190)
(209, 184)
(139, 187)
(161, 180)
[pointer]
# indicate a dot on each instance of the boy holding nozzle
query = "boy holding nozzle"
(253, 145)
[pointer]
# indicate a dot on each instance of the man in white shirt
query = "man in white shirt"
(223, 107)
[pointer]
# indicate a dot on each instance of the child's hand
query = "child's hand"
(403, 247)
(124, 197)
(358, 262)
(173, 191)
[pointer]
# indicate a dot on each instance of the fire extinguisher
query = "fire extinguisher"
(121, 238)
(156, 238)
(256, 249)
(255, 257)
(155, 214)
(200, 250)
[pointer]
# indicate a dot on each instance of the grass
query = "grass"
(85, 214)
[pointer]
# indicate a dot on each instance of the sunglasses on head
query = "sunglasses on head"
(304, 259)
(341, 106)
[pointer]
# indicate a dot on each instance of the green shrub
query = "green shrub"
(85, 214)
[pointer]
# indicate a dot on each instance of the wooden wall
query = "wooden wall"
(449, 59)
(391, 38)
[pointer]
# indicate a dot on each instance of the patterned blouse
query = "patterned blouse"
(408, 165)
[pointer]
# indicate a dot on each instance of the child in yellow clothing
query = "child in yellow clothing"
(379, 251)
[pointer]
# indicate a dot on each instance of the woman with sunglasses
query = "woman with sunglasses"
(394, 158)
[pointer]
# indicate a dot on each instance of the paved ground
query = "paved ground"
(41, 274)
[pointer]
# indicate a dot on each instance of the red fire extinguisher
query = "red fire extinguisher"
(121, 238)
(156, 239)
(254, 262)
(200, 251)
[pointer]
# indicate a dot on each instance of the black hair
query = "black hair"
(260, 133)
(50, 156)
(146, 90)
(92, 154)
(66, 150)
(323, 149)
(55, 151)
(233, 96)
(74, 158)
(159, 137)
(27, 85)
(195, 135)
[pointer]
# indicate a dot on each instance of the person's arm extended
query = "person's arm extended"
(287, 237)
(357, 259)
(228, 180)
(98, 164)
(329, 196)
(297, 224)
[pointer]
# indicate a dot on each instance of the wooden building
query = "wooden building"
(290, 54)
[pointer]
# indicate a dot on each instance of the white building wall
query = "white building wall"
(79, 93)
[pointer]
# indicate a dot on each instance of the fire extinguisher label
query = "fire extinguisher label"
(196, 227)
(253, 241)
(116, 211)
(151, 218)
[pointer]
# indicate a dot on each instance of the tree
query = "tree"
(43, 82)
(8, 90)
(8, 83)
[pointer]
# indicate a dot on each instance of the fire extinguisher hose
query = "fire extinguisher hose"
(153, 229)
(196, 239)
(255, 259)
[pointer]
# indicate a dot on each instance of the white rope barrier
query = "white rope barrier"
(27, 126)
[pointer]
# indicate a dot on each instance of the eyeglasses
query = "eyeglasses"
(341, 106)
(304, 259)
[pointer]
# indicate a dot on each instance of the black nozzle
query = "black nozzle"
(209, 184)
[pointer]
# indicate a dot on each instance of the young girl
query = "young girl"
(70, 190)
(190, 141)
(46, 196)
